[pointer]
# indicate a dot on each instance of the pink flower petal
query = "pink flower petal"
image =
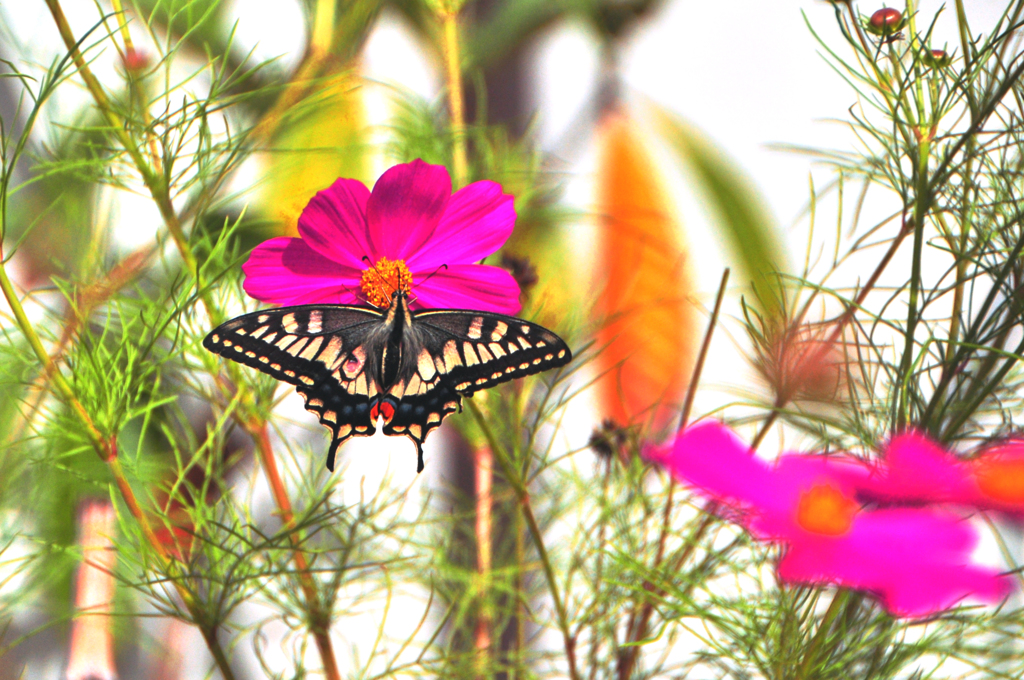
(286, 271)
(711, 458)
(920, 470)
(405, 207)
(466, 286)
(917, 561)
(334, 224)
(477, 222)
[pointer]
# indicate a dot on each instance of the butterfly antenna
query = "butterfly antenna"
(380, 279)
(444, 266)
(352, 292)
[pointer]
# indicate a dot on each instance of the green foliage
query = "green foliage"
(598, 567)
(741, 213)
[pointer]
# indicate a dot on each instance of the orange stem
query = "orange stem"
(319, 623)
(484, 503)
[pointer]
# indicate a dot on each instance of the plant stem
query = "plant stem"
(868, 286)
(922, 203)
(698, 368)
(838, 602)
(523, 495)
(319, 619)
(154, 182)
(768, 422)
(319, 622)
(484, 462)
(915, 50)
(323, 27)
(595, 641)
(133, 82)
(484, 459)
(449, 17)
(106, 449)
(636, 629)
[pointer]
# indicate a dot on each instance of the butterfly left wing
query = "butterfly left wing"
(322, 350)
(453, 353)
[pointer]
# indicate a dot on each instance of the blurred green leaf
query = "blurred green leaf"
(742, 213)
(511, 25)
(355, 20)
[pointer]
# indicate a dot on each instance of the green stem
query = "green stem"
(106, 449)
(922, 203)
(453, 71)
(811, 656)
(156, 185)
(523, 495)
(915, 50)
(636, 629)
(160, 193)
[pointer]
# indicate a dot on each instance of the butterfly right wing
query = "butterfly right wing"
(323, 350)
(454, 353)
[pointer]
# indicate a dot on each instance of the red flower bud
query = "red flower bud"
(886, 22)
(135, 61)
(936, 58)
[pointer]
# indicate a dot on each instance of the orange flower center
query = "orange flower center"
(383, 280)
(823, 509)
(1001, 478)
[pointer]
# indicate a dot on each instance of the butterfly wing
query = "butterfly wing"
(453, 353)
(481, 349)
(326, 351)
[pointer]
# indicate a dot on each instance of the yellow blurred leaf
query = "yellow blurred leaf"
(321, 142)
(650, 329)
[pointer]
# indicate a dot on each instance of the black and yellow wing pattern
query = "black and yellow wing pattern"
(354, 365)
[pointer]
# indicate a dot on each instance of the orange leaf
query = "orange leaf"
(650, 330)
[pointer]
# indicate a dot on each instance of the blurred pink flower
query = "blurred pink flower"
(91, 656)
(916, 561)
(359, 246)
(917, 470)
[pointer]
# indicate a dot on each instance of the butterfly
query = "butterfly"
(354, 365)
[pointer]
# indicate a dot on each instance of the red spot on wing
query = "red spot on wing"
(384, 409)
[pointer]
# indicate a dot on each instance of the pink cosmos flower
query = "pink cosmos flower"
(409, 233)
(916, 561)
(917, 470)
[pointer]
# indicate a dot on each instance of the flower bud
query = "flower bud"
(522, 270)
(610, 439)
(135, 61)
(936, 58)
(886, 22)
(800, 363)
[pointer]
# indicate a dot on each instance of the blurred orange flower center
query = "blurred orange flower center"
(823, 509)
(384, 279)
(1001, 478)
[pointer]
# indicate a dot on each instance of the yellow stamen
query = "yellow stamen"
(1000, 478)
(825, 510)
(381, 281)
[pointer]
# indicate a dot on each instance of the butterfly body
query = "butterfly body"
(356, 366)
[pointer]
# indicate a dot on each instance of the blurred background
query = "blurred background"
(744, 79)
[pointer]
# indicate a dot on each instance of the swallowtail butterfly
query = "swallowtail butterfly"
(353, 364)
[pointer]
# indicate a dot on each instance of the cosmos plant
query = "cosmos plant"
(848, 508)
